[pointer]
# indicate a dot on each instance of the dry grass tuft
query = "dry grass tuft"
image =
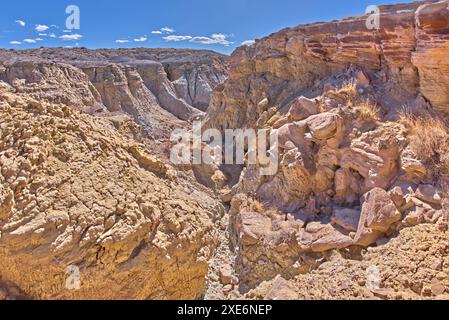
(429, 140)
(257, 206)
(350, 89)
(368, 111)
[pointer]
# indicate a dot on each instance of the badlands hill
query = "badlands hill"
(359, 208)
(154, 86)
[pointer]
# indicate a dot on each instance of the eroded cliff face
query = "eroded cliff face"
(84, 176)
(360, 115)
(402, 59)
(74, 191)
(432, 25)
(141, 82)
(59, 83)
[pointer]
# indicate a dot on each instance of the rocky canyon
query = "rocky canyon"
(358, 208)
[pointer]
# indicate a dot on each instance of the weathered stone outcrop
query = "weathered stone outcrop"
(413, 265)
(403, 58)
(58, 83)
(432, 45)
(75, 192)
(123, 90)
(195, 82)
(138, 81)
(378, 214)
(155, 78)
(349, 176)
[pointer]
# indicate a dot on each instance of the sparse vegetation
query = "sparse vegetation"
(257, 206)
(429, 140)
(350, 89)
(368, 111)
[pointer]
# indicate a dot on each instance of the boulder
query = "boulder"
(346, 218)
(378, 214)
(362, 79)
(297, 169)
(291, 132)
(302, 108)
(263, 105)
(320, 237)
(428, 193)
(412, 169)
(397, 196)
(324, 126)
(252, 228)
(281, 289)
(226, 275)
(373, 156)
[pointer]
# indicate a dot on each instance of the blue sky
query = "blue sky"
(206, 24)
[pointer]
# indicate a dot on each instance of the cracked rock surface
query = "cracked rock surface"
(74, 191)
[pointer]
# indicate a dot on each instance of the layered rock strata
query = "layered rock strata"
(141, 82)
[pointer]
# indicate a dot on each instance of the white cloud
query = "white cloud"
(176, 38)
(216, 38)
(41, 28)
(39, 39)
(202, 40)
(21, 23)
(16, 43)
(67, 31)
(43, 34)
(248, 43)
(122, 41)
(167, 30)
(164, 30)
(29, 41)
(141, 39)
(71, 37)
(52, 35)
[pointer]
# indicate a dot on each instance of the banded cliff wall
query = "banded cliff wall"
(404, 58)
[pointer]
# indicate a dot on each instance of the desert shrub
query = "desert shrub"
(368, 111)
(349, 88)
(257, 206)
(429, 140)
